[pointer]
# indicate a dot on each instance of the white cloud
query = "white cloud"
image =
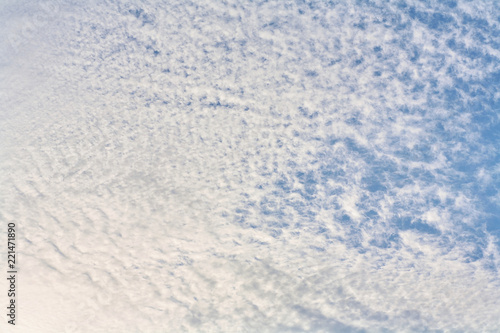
(264, 167)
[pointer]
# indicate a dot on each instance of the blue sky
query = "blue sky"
(260, 166)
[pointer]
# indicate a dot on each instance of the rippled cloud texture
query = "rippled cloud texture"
(252, 166)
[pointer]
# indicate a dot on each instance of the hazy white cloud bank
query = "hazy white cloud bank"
(227, 166)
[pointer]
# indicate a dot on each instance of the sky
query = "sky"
(251, 166)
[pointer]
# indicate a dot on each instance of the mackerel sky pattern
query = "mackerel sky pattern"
(252, 166)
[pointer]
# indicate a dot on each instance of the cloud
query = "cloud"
(265, 167)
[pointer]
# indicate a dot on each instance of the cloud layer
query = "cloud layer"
(263, 167)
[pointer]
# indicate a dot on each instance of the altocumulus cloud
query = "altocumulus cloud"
(263, 166)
